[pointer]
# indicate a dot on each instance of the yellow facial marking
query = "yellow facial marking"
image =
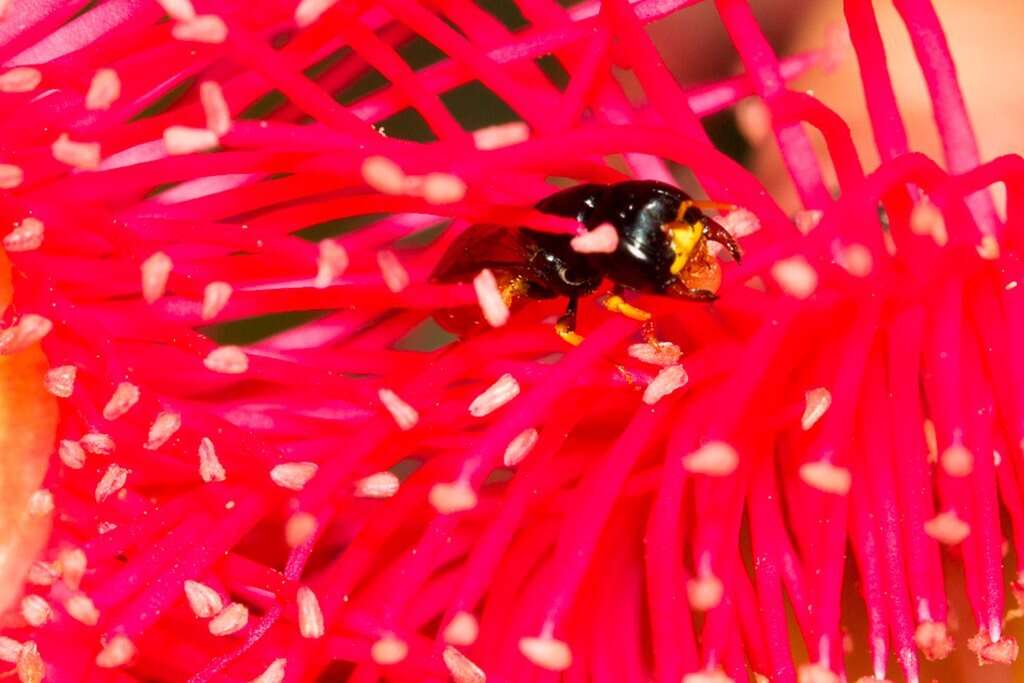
(685, 237)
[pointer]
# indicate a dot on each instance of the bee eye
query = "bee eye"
(570, 276)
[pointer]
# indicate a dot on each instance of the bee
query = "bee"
(662, 248)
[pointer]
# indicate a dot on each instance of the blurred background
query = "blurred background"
(985, 36)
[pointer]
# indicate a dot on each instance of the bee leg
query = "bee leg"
(649, 335)
(616, 304)
(678, 289)
(699, 295)
(715, 232)
(566, 325)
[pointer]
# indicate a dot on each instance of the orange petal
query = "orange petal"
(28, 424)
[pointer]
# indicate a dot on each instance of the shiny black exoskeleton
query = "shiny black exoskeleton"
(662, 247)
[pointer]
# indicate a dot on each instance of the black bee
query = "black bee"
(662, 249)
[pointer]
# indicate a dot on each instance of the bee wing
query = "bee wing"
(498, 247)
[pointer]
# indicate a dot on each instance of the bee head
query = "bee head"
(694, 267)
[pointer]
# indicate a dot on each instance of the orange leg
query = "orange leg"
(566, 325)
(616, 304)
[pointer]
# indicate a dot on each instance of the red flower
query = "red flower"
(335, 489)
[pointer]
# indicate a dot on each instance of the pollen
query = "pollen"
(933, 639)
(118, 652)
(739, 223)
(215, 297)
(155, 272)
(753, 120)
(125, 396)
(856, 260)
(179, 10)
(104, 90)
(667, 381)
(807, 221)
(27, 236)
(81, 155)
(405, 415)
(309, 11)
(520, 447)
(188, 140)
(656, 353)
(495, 396)
(715, 459)
(816, 403)
(227, 360)
(43, 573)
(20, 79)
(331, 263)
(60, 381)
(603, 239)
(379, 485)
(72, 563)
(273, 673)
(210, 469)
(396, 278)
(97, 443)
(947, 527)
(384, 175)
(389, 650)
(203, 28)
(705, 592)
(11, 176)
(957, 461)
(502, 135)
(546, 652)
(1003, 651)
(231, 619)
(492, 304)
(82, 609)
(988, 249)
(204, 600)
(299, 528)
(215, 107)
(293, 475)
(443, 188)
(796, 276)
(30, 666)
(163, 428)
(9, 650)
(311, 619)
(30, 329)
(451, 497)
(826, 477)
(40, 503)
(462, 630)
(36, 611)
(111, 482)
(926, 220)
(461, 668)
